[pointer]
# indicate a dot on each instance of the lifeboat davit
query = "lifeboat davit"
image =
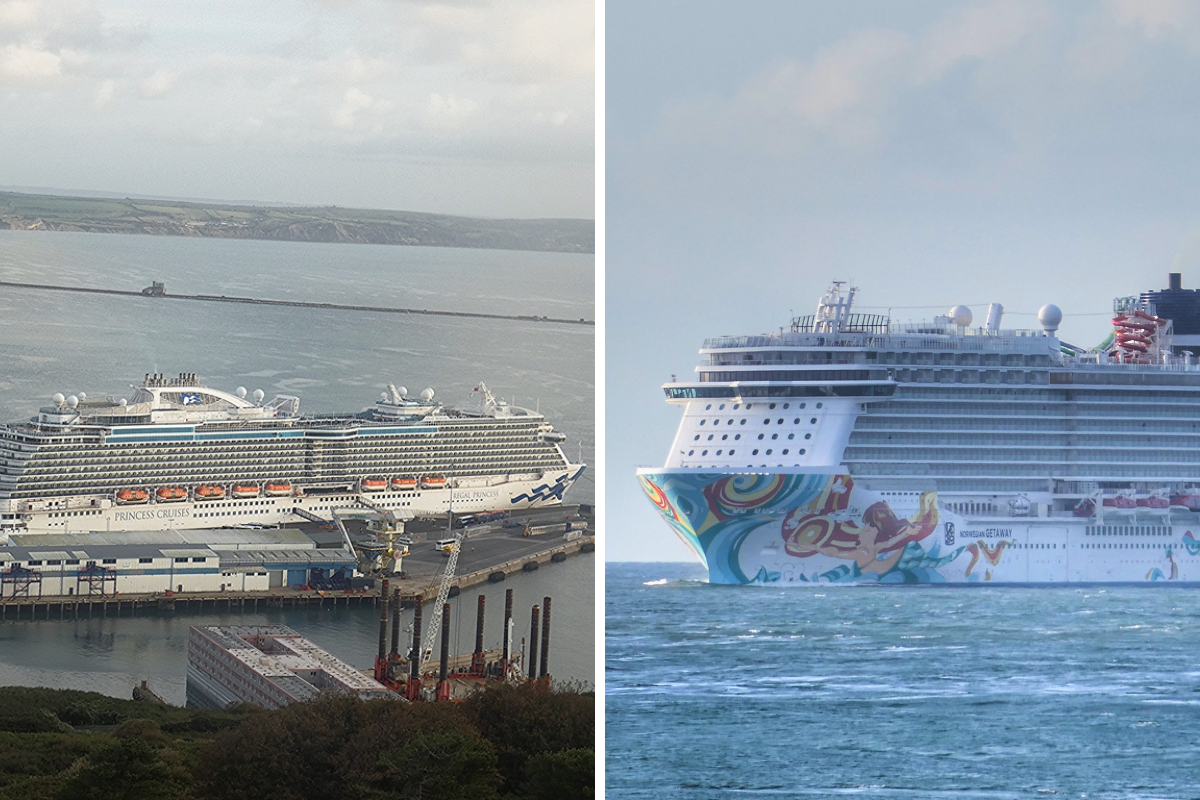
(1085, 508)
(171, 494)
(245, 490)
(373, 484)
(277, 489)
(210, 492)
(404, 483)
(127, 496)
(433, 482)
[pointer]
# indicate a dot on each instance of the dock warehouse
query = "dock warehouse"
(148, 562)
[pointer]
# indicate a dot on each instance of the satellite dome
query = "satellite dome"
(961, 315)
(240, 392)
(1050, 315)
(123, 402)
(258, 395)
(427, 395)
(72, 402)
(58, 399)
(403, 390)
(83, 397)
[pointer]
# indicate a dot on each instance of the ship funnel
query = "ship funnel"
(995, 311)
(1174, 281)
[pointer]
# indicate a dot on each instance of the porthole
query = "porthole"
(743, 422)
(716, 422)
(771, 406)
(780, 422)
(768, 451)
(729, 421)
(704, 452)
(703, 421)
(785, 451)
(690, 452)
(721, 407)
(814, 421)
(796, 421)
(803, 405)
(736, 406)
(819, 405)
(724, 436)
(697, 438)
(754, 453)
(785, 405)
(718, 452)
(766, 422)
(710, 437)
(737, 436)
(808, 436)
(708, 407)
(749, 406)
(791, 436)
(730, 452)
(774, 435)
(760, 436)
(802, 451)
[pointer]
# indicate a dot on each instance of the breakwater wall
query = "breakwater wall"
(208, 298)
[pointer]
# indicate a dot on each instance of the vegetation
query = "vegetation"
(290, 223)
(506, 743)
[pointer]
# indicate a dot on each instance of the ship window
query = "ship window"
(802, 405)
(697, 438)
(721, 407)
(771, 406)
(819, 405)
(791, 436)
(702, 422)
(754, 453)
(724, 436)
(729, 421)
(780, 422)
(802, 451)
(730, 452)
(718, 452)
(710, 437)
(737, 436)
(766, 422)
(768, 451)
(704, 453)
(785, 405)
(814, 420)
(749, 406)
(796, 421)
(735, 406)
(707, 407)
(785, 452)
(743, 422)
(690, 452)
(774, 435)
(761, 435)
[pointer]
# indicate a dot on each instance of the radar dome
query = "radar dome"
(427, 395)
(123, 402)
(83, 397)
(72, 402)
(961, 315)
(240, 392)
(58, 399)
(403, 390)
(1050, 315)
(258, 395)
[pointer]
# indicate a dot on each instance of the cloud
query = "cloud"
(20, 62)
(159, 84)
(1161, 19)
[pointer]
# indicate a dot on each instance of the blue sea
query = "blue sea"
(898, 692)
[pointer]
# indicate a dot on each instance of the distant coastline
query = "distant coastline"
(21, 211)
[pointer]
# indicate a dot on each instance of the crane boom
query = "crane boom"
(431, 633)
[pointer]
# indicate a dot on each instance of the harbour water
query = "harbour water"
(898, 692)
(335, 361)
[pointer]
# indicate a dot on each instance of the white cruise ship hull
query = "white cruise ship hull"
(791, 527)
(86, 514)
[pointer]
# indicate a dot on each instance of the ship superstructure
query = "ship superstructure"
(182, 455)
(851, 448)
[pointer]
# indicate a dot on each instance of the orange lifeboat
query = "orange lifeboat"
(404, 483)
(126, 496)
(245, 490)
(277, 489)
(373, 484)
(433, 482)
(210, 493)
(171, 494)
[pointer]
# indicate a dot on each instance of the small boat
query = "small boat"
(1154, 501)
(210, 493)
(127, 496)
(433, 482)
(277, 489)
(245, 490)
(1085, 508)
(404, 483)
(373, 484)
(1189, 501)
(171, 494)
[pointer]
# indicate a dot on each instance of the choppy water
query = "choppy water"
(335, 361)
(900, 692)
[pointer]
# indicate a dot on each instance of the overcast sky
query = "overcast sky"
(934, 153)
(478, 107)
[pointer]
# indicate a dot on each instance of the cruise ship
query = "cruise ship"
(851, 449)
(179, 454)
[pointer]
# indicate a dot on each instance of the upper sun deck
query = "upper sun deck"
(900, 337)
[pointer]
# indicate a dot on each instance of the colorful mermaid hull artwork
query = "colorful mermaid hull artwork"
(804, 528)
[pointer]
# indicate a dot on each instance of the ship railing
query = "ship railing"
(901, 337)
